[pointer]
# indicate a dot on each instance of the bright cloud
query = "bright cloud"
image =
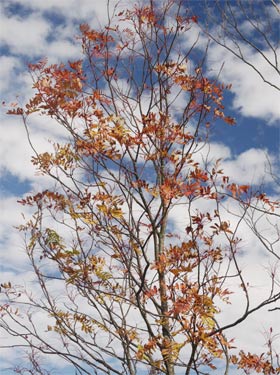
(8, 66)
(24, 36)
(249, 167)
(252, 96)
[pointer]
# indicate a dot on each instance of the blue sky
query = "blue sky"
(31, 29)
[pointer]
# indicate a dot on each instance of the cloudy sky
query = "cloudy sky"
(32, 29)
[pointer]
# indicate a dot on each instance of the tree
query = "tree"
(121, 288)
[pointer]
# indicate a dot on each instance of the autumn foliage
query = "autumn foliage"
(125, 288)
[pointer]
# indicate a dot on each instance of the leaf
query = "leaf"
(208, 322)
(116, 213)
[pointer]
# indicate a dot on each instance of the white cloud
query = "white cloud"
(252, 166)
(15, 155)
(12, 250)
(252, 96)
(81, 10)
(15, 151)
(8, 65)
(63, 50)
(24, 36)
(249, 167)
(209, 153)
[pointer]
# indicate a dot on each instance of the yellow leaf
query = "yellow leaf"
(87, 219)
(209, 322)
(116, 213)
(103, 208)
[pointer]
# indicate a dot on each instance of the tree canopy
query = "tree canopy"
(136, 246)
